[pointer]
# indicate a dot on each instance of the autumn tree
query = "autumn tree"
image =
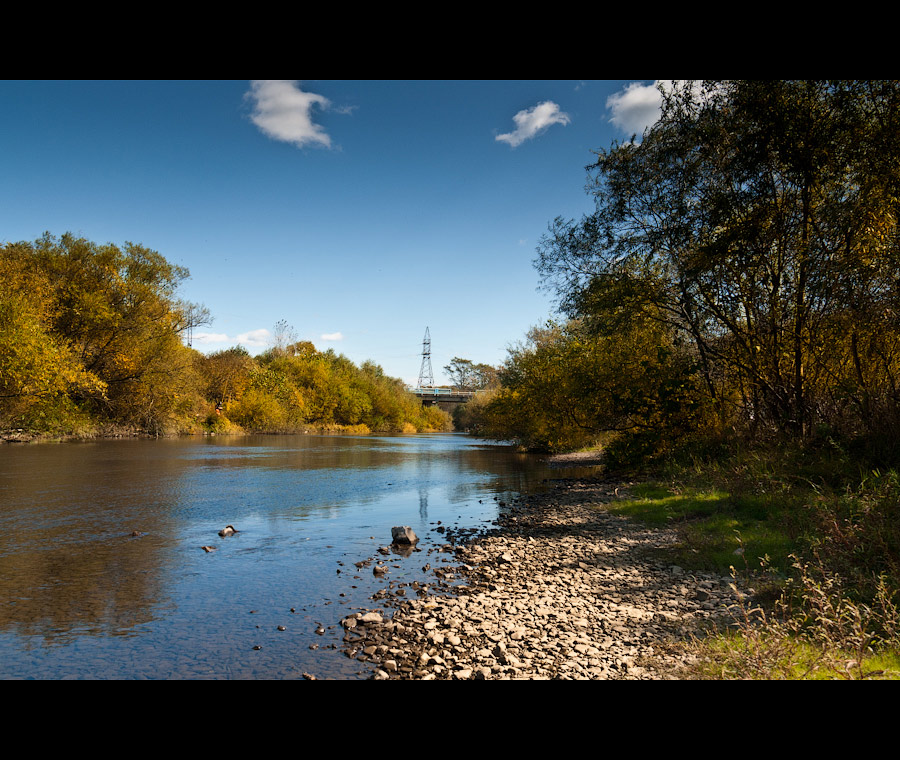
(226, 374)
(38, 370)
(114, 312)
(756, 220)
(566, 387)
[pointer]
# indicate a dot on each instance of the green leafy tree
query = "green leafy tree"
(468, 376)
(566, 387)
(757, 220)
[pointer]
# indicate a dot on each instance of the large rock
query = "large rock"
(403, 535)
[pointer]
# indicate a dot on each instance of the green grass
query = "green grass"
(820, 536)
(713, 525)
(774, 655)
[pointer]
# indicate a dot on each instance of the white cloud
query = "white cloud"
(639, 106)
(210, 338)
(261, 337)
(532, 122)
(332, 336)
(284, 112)
(636, 107)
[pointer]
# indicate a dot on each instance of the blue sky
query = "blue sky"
(361, 212)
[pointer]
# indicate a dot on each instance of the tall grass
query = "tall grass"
(815, 531)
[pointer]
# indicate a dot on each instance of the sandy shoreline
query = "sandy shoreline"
(560, 589)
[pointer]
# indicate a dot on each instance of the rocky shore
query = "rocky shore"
(560, 588)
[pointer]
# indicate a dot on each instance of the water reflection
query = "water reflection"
(86, 599)
(423, 504)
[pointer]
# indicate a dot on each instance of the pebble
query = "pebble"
(559, 589)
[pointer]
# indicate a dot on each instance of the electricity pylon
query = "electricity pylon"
(426, 376)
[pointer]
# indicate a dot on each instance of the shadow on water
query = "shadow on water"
(84, 598)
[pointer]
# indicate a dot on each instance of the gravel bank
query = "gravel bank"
(561, 589)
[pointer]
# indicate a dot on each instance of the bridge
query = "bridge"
(445, 398)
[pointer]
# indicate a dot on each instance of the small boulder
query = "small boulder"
(403, 535)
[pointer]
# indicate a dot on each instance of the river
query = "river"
(83, 598)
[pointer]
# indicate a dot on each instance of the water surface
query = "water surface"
(80, 597)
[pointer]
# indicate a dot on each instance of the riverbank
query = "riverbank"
(22, 435)
(560, 588)
(108, 432)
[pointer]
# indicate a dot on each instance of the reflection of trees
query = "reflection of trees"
(98, 587)
(499, 471)
(70, 563)
(421, 455)
(310, 452)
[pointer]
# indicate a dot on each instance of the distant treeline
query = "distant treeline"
(92, 340)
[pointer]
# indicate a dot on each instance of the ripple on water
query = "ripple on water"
(85, 599)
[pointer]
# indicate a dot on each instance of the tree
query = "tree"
(38, 371)
(283, 337)
(468, 376)
(567, 387)
(112, 311)
(757, 220)
(226, 373)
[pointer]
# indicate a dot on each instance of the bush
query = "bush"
(258, 411)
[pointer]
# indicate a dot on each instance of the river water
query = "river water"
(82, 598)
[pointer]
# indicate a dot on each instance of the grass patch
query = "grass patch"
(717, 529)
(772, 654)
(817, 536)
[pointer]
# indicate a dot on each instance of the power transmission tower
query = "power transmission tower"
(426, 376)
